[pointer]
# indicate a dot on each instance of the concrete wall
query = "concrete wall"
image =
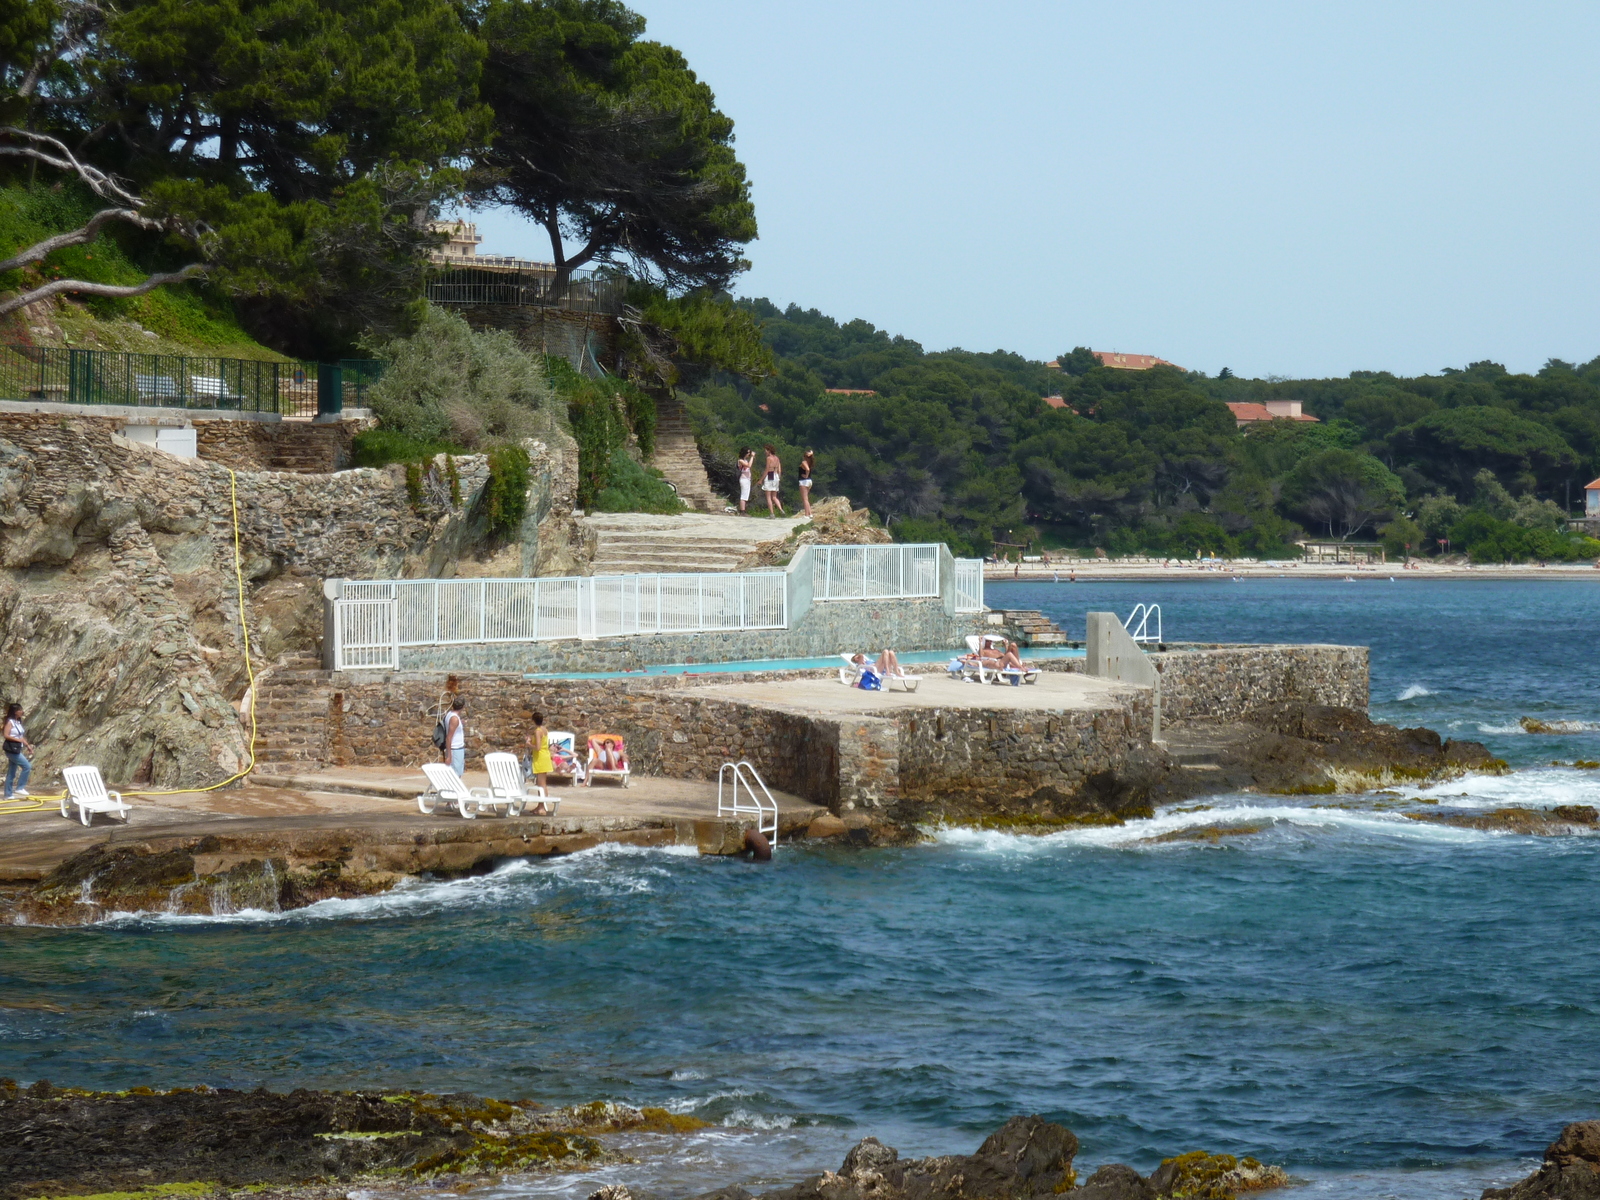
(836, 627)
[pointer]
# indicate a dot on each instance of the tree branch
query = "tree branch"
(82, 287)
(54, 153)
(78, 237)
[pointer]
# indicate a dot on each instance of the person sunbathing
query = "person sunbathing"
(1012, 658)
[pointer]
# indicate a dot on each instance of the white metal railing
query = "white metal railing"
(875, 572)
(373, 619)
(969, 585)
(759, 805)
(1138, 623)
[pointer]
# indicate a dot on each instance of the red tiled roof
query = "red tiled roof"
(1131, 362)
(1245, 413)
(1055, 401)
(1595, 484)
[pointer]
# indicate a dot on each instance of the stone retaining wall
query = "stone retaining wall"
(826, 629)
(912, 761)
(310, 448)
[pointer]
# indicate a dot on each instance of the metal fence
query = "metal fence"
(875, 572)
(968, 577)
(445, 612)
(141, 380)
(584, 291)
(181, 381)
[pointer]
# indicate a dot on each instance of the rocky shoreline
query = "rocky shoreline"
(1292, 749)
(317, 1145)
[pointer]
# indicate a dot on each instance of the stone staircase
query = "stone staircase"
(677, 456)
(1033, 628)
(645, 543)
(292, 704)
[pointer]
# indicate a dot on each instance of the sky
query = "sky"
(1298, 190)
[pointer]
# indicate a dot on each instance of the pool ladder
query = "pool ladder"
(743, 799)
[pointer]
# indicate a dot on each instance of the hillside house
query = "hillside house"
(1272, 410)
(1591, 500)
(1121, 362)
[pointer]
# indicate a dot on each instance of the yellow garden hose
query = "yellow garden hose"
(34, 803)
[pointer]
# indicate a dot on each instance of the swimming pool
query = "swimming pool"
(745, 666)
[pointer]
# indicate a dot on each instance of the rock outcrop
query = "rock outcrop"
(1310, 749)
(66, 1141)
(1571, 1169)
(1027, 1158)
(833, 523)
(119, 610)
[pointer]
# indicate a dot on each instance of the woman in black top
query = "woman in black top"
(806, 463)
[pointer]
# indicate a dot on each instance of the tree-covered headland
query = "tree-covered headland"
(963, 447)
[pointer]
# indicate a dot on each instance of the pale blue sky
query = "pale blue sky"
(1277, 188)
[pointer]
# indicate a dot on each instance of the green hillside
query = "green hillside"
(962, 447)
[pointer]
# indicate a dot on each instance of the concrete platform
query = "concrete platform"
(379, 803)
(1054, 691)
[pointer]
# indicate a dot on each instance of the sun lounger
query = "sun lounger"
(851, 672)
(608, 758)
(507, 787)
(564, 758)
(445, 785)
(88, 791)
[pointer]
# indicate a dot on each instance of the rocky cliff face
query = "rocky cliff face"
(119, 606)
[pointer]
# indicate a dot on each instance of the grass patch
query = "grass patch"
(153, 1192)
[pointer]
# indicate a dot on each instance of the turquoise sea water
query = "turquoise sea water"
(1385, 1007)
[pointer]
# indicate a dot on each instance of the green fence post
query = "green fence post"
(330, 390)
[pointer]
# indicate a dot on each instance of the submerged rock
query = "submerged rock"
(1571, 1169)
(1540, 822)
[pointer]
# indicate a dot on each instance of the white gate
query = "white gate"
(364, 635)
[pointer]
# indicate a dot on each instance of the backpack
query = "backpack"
(870, 682)
(441, 733)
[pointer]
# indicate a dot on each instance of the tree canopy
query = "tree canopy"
(963, 446)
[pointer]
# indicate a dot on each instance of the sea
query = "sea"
(1385, 1007)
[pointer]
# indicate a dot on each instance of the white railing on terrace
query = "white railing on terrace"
(372, 620)
(875, 572)
(968, 575)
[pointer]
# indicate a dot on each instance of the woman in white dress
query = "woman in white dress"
(747, 461)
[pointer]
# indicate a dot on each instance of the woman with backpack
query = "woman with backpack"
(450, 735)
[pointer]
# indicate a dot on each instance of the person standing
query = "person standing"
(18, 765)
(770, 481)
(747, 462)
(455, 736)
(539, 765)
(808, 462)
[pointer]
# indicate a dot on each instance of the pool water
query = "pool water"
(745, 666)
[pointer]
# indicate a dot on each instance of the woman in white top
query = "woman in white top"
(747, 460)
(18, 747)
(455, 736)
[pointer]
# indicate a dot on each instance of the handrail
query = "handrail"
(759, 806)
(1142, 614)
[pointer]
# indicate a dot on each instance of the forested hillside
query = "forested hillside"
(962, 447)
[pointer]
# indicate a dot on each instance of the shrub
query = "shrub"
(450, 383)
(505, 492)
(632, 488)
(380, 447)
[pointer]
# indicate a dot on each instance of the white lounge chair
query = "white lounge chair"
(850, 674)
(88, 791)
(507, 786)
(564, 760)
(445, 785)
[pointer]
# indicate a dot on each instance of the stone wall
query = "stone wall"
(314, 448)
(957, 755)
(119, 623)
(824, 630)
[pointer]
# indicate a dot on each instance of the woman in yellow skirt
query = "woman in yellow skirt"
(539, 744)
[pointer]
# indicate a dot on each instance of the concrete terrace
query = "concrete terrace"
(377, 806)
